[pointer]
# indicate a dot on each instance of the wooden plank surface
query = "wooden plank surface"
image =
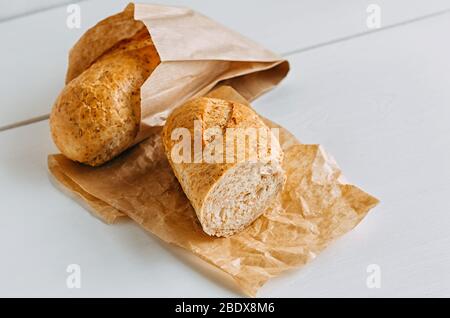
(378, 103)
(35, 46)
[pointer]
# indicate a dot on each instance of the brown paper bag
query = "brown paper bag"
(316, 206)
(196, 53)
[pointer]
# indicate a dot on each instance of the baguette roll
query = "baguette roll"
(226, 195)
(97, 115)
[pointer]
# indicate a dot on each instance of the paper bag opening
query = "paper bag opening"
(196, 54)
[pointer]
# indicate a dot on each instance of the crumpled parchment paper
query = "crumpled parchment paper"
(316, 206)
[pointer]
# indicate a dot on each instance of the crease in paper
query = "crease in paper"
(314, 209)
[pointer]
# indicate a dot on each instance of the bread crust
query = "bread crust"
(200, 180)
(97, 115)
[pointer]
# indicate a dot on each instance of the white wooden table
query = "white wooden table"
(379, 101)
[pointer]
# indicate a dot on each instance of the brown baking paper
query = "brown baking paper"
(316, 206)
(196, 53)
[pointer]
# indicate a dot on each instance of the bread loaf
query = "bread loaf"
(97, 115)
(229, 195)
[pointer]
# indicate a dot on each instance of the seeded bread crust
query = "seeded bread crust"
(97, 115)
(227, 197)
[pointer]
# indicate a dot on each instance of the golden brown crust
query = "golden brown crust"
(198, 179)
(105, 34)
(97, 115)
